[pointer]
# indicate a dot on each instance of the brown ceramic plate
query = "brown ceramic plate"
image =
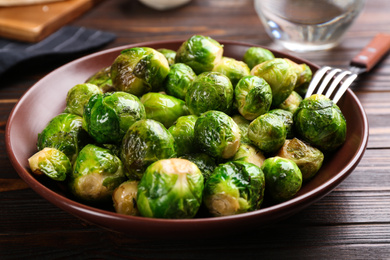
(46, 99)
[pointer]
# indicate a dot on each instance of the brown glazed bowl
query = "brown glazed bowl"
(46, 99)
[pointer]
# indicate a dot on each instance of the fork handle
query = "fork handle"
(373, 52)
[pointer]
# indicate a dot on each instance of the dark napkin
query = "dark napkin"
(67, 40)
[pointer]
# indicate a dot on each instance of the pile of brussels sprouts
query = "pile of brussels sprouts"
(169, 134)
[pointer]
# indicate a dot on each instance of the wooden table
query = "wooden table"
(352, 222)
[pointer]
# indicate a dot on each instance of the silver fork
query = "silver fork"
(336, 81)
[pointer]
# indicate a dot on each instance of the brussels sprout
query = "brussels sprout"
(283, 179)
(257, 55)
(52, 163)
(102, 79)
(243, 125)
(321, 123)
(249, 153)
(125, 198)
(280, 75)
(217, 134)
(253, 96)
(233, 188)
(288, 119)
(145, 142)
(78, 96)
(163, 108)
(205, 163)
(96, 174)
(199, 52)
(139, 70)
(183, 133)
(268, 132)
(170, 188)
(169, 55)
(308, 159)
(292, 102)
(233, 69)
(210, 91)
(107, 117)
(178, 80)
(65, 133)
(304, 74)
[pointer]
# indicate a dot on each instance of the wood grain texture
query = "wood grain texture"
(352, 222)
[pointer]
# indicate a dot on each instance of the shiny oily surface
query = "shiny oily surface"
(44, 100)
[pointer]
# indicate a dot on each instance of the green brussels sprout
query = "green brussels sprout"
(304, 75)
(280, 75)
(205, 163)
(233, 69)
(52, 163)
(243, 125)
(320, 122)
(268, 132)
(178, 80)
(210, 91)
(163, 108)
(96, 174)
(102, 79)
(308, 158)
(283, 179)
(145, 142)
(217, 134)
(65, 133)
(233, 188)
(292, 102)
(199, 52)
(257, 55)
(253, 96)
(170, 55)
(170, 188)
(249, 153)
(288, 119)
(139, 70)
(125, 198)
(107, 117)
(78, 96)
(183, 133)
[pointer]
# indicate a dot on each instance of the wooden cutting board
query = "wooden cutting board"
(32, 23)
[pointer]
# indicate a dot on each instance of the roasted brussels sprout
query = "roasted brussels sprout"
(288, 119)
(78, 96)
(308, 159)
(170, 55)
(199, 52)
(292, 102)
(243, 125)
(257, 55)
(304, 74)
(253, 96)
(163, 108)
(321, 123)
(102, 79)
(280, 75)
(170, 188)
(183, 133)
(283, 179)
(139, 70)
(233, 69)
(179, 78)
(96, 174)
(210, 91)
(268, 132)
(217, 134)
(145, 142)
(50, 162)
(107, 117)
(65, 133)
(249, 153)
(125, 198)
(234, 187)
(205, 163)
